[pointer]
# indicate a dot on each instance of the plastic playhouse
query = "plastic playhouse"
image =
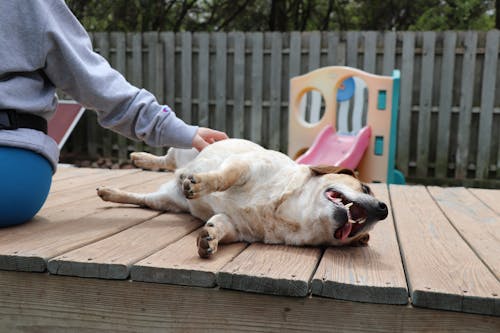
(356, 125)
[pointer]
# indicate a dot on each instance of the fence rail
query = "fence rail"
(449, 119)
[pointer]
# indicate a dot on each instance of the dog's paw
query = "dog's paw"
(207, 241)
(106, 193)
(193, 186)
(145, 161)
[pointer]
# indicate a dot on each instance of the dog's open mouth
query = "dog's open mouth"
(356, 215)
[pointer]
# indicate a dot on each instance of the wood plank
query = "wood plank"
(41, 302)
(295, 54)
(86, 188)
(314, 50)
(389, 60)
(86, 176)
(407, 67)
(275, 92)
(112, 257)
(136, 182)
(489, 197)
(352, 48)
(63, 173)
(476, 223)
(485, 132)
(466, 100)
(67, 226)
(49, 218)
(220, 80)
(332, 48)
(445, 103)
(271, 269)
(368, 274)
(370, 51)
(425, 103)
(203, 77)
(257, 86)
(186, 75)
(179, 263)
(239, 85)
(442, 270)
(168, 40)
(31, 252)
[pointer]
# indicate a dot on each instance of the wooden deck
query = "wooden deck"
(82, 263)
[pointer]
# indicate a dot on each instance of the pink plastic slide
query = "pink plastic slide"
(331, 148)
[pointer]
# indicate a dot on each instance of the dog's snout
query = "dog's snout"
(382, 210)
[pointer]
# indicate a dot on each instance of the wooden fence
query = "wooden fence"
(449, 120)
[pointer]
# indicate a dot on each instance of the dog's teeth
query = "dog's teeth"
(362, 221)
(348, 205)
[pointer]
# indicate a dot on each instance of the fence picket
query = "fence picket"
(445, 104)
(220, 80)
(389, 53)
(186, 76)
(239, 84)
(275, 92)
(403, 153)
(424, 114)
(203, 77)
(257, 86)
(466, 99)
(370, 51)
(487, 104)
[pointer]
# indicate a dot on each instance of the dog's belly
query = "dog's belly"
(256, 223)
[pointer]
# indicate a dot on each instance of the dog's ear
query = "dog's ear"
(319, 170)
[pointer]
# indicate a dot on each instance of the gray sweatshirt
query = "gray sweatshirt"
(43, 46)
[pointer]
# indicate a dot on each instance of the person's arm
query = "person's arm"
(74, 67)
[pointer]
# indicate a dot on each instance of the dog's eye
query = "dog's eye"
(366, 189)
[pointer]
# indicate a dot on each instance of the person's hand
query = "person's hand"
(206, 136)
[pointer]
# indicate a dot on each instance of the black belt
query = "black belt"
(11, 119)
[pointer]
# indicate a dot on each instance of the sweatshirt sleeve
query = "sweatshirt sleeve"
(73, 66)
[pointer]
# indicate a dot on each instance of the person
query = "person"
(45, 47)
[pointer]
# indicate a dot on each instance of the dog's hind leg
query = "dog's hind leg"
(232, 172)
(168, 198)
(174, 159)
(218, 229)
(152, 162)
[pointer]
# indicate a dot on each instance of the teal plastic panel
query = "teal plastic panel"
(381, 99)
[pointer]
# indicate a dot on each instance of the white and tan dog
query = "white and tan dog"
(247, 193)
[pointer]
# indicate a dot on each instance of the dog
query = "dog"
(247, 193)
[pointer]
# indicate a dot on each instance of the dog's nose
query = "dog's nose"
(381, 211)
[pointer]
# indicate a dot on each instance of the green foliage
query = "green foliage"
(283, 15)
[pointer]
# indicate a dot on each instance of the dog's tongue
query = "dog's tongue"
(343, 233)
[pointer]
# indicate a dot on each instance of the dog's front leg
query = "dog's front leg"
(218, 229)
(232, 172)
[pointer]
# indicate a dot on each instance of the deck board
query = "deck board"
(442, 270)
(29, 246)
(369, 274)
(490, 197)
(83, 188)
(477, 224)
(179, 263)
(271, 269)
(112, 257)
(439, 245)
